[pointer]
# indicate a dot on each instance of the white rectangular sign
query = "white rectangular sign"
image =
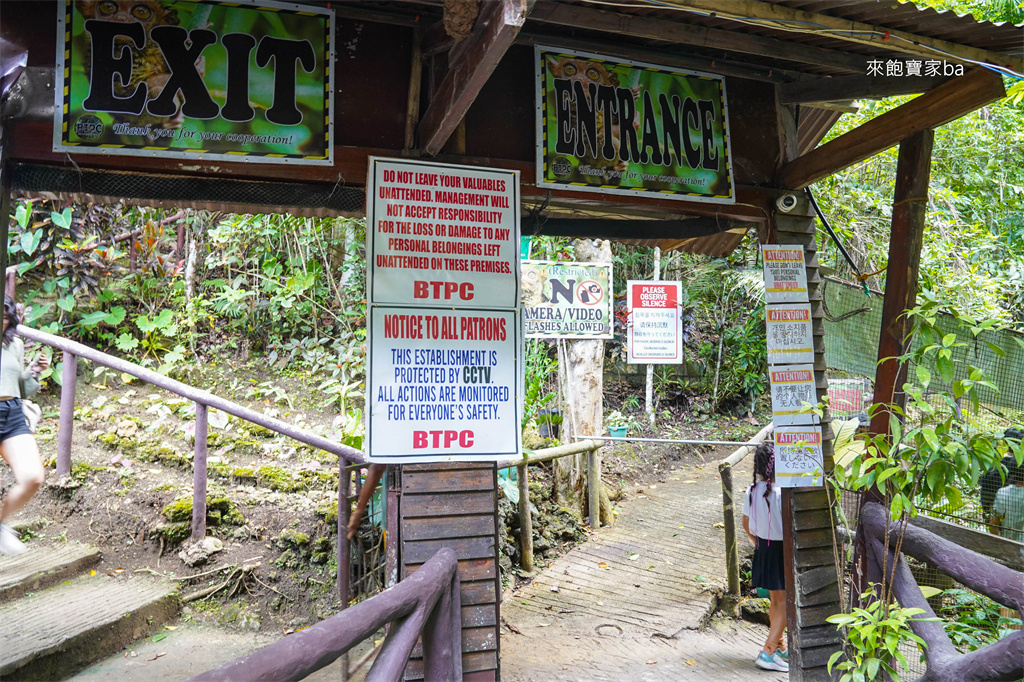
(785, 275)
(655, 326)
(799, 461)
(441, 234)
(443, 385)
(789, 332)
(792, 386)
(567, 300)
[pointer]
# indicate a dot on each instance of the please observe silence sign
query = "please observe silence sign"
(444, 320)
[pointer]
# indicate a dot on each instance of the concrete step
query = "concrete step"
(52, 634)
(38, 569)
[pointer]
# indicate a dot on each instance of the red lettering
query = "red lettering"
(419, 289)
(419, 439)
(466, 439)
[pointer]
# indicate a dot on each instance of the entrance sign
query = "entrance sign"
(655, 325)
(792, 386)
(443, 385)
(567, 300)
(210, 80)
(606, 125)
(785, 275)
(788, 328)
(798, 456)
(443, 235)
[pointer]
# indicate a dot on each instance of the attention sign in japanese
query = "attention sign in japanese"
(567, 300)
(655, 327)
(789, 332)
(445, 341)
(792, 389)
(785, 275)
(441, 234)
(210, 80)
(798, 456)
(606, 125)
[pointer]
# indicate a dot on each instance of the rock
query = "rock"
(200, 552)
(755, 610)
(126, 428)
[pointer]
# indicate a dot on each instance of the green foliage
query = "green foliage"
(873, 635)
(541, 372)
(974, 620)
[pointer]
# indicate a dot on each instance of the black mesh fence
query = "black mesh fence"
(852, 329)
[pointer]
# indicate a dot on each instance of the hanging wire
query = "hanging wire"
(842, 249)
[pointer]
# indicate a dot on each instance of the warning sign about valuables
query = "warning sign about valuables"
(789, 332)
(655, 326)
(799, 461)
(785, 275)
(441, 234)
(443, 384)
(792, 391)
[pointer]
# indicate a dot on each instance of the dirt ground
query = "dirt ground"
(276, 499)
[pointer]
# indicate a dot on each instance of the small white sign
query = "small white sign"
(655, 327)
(789, 332)
(785, 275)
(442, 235)
(443, 385)
(792, 387)
(799, 461)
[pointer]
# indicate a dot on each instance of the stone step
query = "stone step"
(52, 634)
(38, 569)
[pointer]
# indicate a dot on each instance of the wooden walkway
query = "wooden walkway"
(634, 602)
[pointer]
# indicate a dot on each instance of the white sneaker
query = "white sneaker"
(9, 542)
(771, 662)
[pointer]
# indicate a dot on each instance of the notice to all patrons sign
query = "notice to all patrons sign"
(444, 325)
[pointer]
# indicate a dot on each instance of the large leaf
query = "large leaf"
(62, 219)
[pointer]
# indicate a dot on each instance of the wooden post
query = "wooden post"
(525, 520)
(392, 483)
(732, 559)
(412, 114)
(594, 487)
(199, 475)
(66, 424)
(344, 553)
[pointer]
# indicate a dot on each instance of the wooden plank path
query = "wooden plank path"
(634, 602)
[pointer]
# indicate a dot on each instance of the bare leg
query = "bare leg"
(776, 618)
(22, 454)
(369, 485)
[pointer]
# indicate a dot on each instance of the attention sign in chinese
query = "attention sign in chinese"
(208, 80)
(567, 300)
(631, 128)
(789, 332)
(441, 234)
(444, 330)
(798, 456)
(792, 389)
(655, 327)
(785, 275)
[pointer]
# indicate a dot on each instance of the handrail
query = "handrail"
(427, 603)
(203, 400)
(732, 557)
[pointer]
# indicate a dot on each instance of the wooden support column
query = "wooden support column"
(812, 585)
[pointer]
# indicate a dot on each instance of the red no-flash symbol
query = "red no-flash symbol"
(589, 292)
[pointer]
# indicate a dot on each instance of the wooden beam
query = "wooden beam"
(412, 111)
(888, 39)
(637, 229)
(1005, 551)
(497, 26)
(436, 39)
(952, 99)
(845, 88)
(688, 34)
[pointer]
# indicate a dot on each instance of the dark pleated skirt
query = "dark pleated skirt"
(767, 570)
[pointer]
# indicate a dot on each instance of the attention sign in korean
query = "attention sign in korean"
(441, 234)
(210, 80)
(785, 275)
(792, 389)
(798, 456)
(567, 300)
(655, 327)
(631, 128)
(789, 332)
(445, 340)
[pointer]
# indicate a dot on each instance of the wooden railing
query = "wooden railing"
(203, 400)
(428, 603)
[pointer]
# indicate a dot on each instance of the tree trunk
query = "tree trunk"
(583, 363)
